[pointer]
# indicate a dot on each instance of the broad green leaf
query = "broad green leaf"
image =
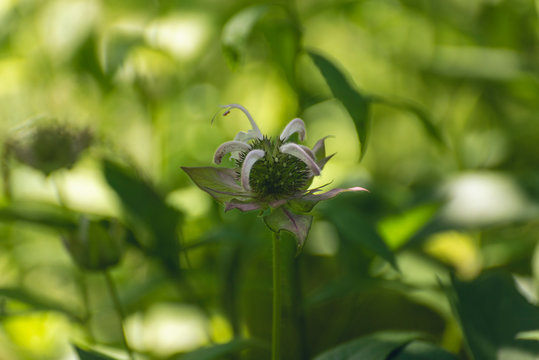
(420, 350)
(373, 347)
(237, 30)
(149, 209)
(357, 230)
(38, 302)
(39, 213)
(220, 350)
(91, 355)
(356, 104)
(492, 313)
(422, 116)
(116, 49)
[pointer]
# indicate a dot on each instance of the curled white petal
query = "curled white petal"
(294, 126)
(227, 147)
(297, 151)
(244, 110)
(308, 151)
(246, 136)
(252, 157)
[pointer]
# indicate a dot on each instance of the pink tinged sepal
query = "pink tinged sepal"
(307, 202)
(319, 151)
(294, 126)
(297, 151)
(220, 183)
(252, 205)
(284, 219)
(228, 147)
(252, 157)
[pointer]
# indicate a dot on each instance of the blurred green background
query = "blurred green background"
(446, 140)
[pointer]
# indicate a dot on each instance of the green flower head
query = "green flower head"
(269, 174)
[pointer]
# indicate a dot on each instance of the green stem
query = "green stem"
(276, 324)
(119, 310)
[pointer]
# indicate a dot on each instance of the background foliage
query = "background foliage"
(438, 99)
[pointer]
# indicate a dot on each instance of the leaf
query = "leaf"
(38, 302)
(237, 30)
(91, 355)
(149, 209)
(220, 183)
(284, 219)
(220, 350)
(373, 347)
(422, 116)
(40, 213)
(420, 350)
(492, 313)
(308, 202)
(117, 46)
(355, 229)
(355, 103)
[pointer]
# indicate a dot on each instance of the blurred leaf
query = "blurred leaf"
(237, 30)
(373, 347)
(39, 213)
(492, 313)
(91, 355)
(220, 350)
(420, 350)
(357, 230)
(355, 103)
(146, 206)
(38, 302)
(117, 47)
(422, 116)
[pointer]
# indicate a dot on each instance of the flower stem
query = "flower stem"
(276, 323)
(119, 310)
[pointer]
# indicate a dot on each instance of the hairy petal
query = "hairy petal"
(307, 202)
(252, 157)
(227, 147)
(244, 110)
(294, 126)
(297, 151)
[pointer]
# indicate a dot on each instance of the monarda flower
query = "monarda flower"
(271, 175)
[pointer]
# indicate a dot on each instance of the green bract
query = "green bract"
(269, 173)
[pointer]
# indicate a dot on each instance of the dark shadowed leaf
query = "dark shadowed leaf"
(149, 209)
(40, 213)
(284, 219)
(355, 103)
(492, 312)
(220, 350)
(420, 350)
(91, 355)
(373, 347)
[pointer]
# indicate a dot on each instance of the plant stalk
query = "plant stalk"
(119, 311)
(276, 323)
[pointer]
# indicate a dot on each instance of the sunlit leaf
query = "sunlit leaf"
(117, 46)
(237, 30)
(373, 347)
(492, 313)
(37, 302)
(420, 350)
(356, 104)
(148, 208)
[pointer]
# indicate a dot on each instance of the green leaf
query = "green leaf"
(148, 209)
(237, 30)
(284, 219)
(422, 116)
(117, 46)
(220, 183)
(220, 350)
(373, 347)
(492, 313)
(91, 355)
(355, 229)
(37, 302)
(355, 103)
(39, 213)
(420, 350)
